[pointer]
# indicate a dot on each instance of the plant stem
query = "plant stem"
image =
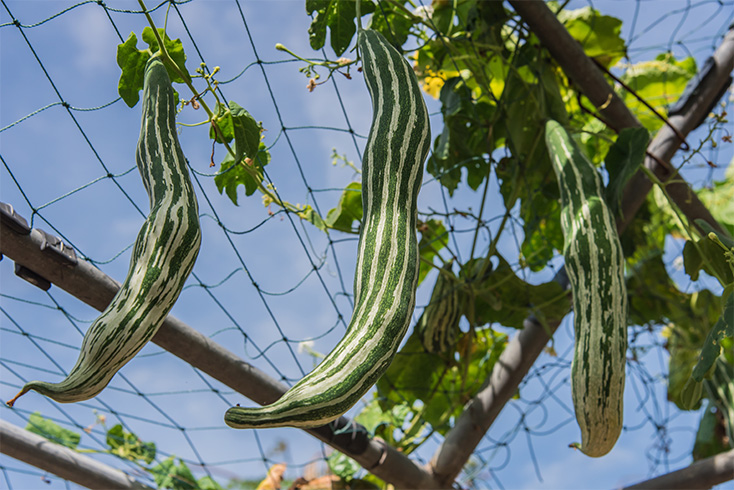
(212, 118)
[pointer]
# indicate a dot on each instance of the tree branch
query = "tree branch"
(698, 476)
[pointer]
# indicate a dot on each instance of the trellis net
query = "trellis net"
(269, 286)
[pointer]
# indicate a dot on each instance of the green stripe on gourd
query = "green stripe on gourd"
(162, 258)
(387, 263)
(595, 266)
(439, 323)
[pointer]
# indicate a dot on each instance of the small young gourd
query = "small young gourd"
(438, 326)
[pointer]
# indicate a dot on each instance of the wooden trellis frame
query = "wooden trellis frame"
(93, 287)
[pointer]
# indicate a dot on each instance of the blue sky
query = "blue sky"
(62, 172)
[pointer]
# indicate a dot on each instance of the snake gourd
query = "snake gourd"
(595, 266)
(162, 258)
(387, 261)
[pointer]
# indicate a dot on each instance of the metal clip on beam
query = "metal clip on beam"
(53, 245)
(13, 220)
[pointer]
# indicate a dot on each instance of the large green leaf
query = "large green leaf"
(623, 160)
(527, 105)
(392, 22)
(132, 63)
(504, 298)
(724, 327)
(235, 123)
(338, 16)
(232, 174)
(132, 60)
(317, 31)
(710, 435)
(174, 475)
(685, 335)
(442, 386)
(348, 210)
(129, 446)
(719, 199)
(463, 142)
(52, 431)
(659, 82)
(598, 34)
(175, 50)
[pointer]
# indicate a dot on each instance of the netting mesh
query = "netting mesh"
(268, 286)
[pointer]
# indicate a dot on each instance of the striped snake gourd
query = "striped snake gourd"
(387, 262)
(162, 258)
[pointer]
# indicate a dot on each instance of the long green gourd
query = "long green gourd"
(387, 263)
(595, 266)
(164, 253)
(439, 323)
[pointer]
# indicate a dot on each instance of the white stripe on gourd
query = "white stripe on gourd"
(595, 266)
(387, 263)
(163, 256)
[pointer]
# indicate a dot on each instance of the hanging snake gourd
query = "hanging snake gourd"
(162, 258)
(387, 262)
(595, 266)
(439, 324)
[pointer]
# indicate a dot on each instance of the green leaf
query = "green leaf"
(536, 185)
(316, 5)
(504, 298)
(175, 50)
(338, 16)
(49, 429)
(442, 387)
(231, 175)
(704, 254)
(208, 483)
(412, 374)
(598, 34)
(372, 416)
(392, 22)
(463, 142)
(169, 474)
(341, 25)
(309, 214)
(349, 209)
(718, 199)
(246, 132)
(317, 29)
(623, 160)
(434, 238)
(724, 327)
(685, 332)
(690, 395)
(132, 62)
(129, 446)
(660, 82)
(342, 465)
(709, 437)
